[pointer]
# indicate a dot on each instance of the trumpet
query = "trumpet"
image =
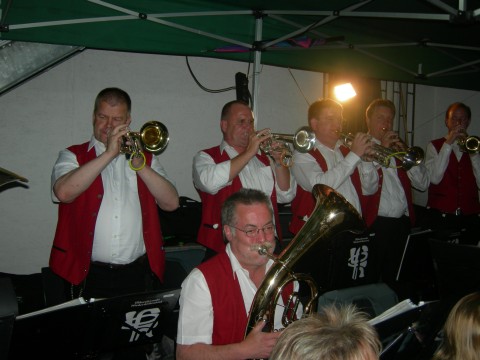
(303, 141)
(153, 137)
(409, 157)
(469, 144)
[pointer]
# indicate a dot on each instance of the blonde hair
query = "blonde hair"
(462, 331)
(335, 333)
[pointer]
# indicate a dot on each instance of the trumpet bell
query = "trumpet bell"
(154, 136)
(304, 139)
(469, 144)
(413, 156)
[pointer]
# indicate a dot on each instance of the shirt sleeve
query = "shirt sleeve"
(195, 320)
(66, 162)
(436, 163)
(475, 158)
(208, 176)
(286, 196)
(419, 177)
(368, 177)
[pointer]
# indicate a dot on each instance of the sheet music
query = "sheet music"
(395, 310)
(74, 302)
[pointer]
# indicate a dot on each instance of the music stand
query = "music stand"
(416, 266)
(8, 176)
(77, 330)
(396, 328)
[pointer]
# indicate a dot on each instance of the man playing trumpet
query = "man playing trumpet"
(237, 162)
(390, 209)
(331, 163)
(453, 202)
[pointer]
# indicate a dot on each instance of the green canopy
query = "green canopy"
(430, 42)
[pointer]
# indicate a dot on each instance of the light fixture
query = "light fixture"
(344, 92)
(23, 60)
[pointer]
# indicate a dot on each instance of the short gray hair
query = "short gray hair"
(244, 197)
(335, 333)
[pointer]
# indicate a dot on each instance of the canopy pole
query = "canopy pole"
(257, 55)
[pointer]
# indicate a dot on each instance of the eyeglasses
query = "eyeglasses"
(251, 233)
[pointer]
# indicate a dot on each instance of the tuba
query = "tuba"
(153, 137)
(332, 215)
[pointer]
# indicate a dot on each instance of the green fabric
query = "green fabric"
(375, 28)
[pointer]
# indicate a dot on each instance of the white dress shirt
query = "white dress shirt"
(307, 172)
(195, 322)
(118, 237)
(210, 177)
(393, 202)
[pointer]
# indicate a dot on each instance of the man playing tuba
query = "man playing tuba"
(217, 295)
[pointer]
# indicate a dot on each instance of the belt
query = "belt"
(457, 212)
(139, 261)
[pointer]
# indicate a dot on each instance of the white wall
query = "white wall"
(54, 111)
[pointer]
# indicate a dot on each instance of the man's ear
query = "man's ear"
(223, 125)
(227, 232)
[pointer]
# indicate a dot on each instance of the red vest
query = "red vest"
(304, 203)
(230, 317)
(458, 188)
(210, 233)
(72, 247)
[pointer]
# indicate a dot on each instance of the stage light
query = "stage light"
(344, 92)
(21, 61)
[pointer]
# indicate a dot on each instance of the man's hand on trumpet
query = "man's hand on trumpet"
(255, 141)
(362, 146)
(456, 133)
(391, 140)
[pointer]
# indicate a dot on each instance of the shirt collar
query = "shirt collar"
(99, 146)
(236, 267)
(224, 145)
(319, 145)
(230, 149)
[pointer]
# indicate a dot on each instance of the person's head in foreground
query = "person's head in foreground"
(461, 332)
(334, 333)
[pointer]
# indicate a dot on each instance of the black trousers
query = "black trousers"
(106, 281)
(390, 239)
(462, 229)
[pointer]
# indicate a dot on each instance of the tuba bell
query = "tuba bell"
(332, 215)
(152, 137)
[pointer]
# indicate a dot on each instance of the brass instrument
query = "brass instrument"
(303, 141)
(331, 216)
(409, 157)
(469, 144)
(152, 137)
